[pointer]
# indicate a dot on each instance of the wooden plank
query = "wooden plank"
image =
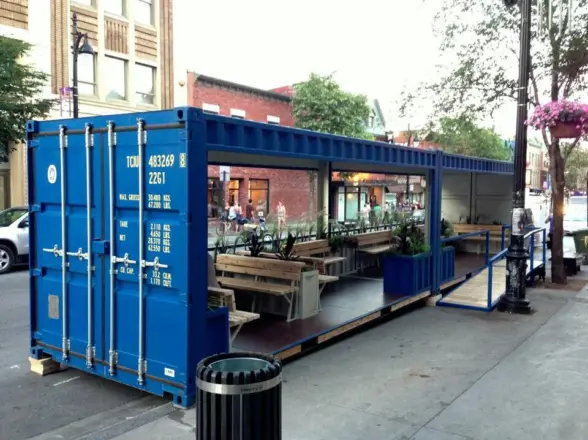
(377, 249)
(292, 351)
(255, 272)
(323, 279)
(256, 286)
(475, 228)
(261, 263)
(311, 245)
(347, 327)
(44, 366)
(240, 317)
(474, 293)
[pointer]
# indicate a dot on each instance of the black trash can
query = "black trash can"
(239, 397)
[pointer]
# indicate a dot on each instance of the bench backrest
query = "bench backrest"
(465, 229)
(311, 248)
(259, 268)
(371, 238)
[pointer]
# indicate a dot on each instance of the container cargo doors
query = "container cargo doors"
(115, 199)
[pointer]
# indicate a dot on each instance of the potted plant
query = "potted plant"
(335, 243)
(565, 119)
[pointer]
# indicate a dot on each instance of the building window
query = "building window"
(259, 193)
(114, 6)
(86, 2)
(116, 79)
(145, 84)
(215, 198)
(273, 119)
(233, 191)
(144, 11)
(87, 74)
(211, 108)
(238, 113)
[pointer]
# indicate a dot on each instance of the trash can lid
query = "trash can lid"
(238, 364)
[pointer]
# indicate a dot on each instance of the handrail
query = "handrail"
(499, 256)
(485, 232)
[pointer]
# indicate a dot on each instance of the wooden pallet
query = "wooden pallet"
(45, 366)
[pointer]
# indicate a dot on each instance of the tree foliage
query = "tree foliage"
(576, 169)
(462, 136)
(481, 42)
(20, 88)
(320, 104)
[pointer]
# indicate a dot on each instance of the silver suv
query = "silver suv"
(14, 237)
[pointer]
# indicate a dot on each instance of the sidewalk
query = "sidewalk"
(438, 374)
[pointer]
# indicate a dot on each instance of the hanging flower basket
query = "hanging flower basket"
(563, 130)
(564, 119)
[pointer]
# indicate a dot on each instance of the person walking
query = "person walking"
(249, 213)
(281, 216)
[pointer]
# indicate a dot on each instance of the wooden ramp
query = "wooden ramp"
(473, 293)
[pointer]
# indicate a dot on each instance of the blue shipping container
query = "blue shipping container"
(118, 231)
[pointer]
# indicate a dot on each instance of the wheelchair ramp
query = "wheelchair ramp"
(482, 291)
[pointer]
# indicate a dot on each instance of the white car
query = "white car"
(14, 237)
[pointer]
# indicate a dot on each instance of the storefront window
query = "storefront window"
(233, 191)
(259, 193)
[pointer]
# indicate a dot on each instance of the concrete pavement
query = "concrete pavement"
(433, 374)
(32, 405)
(439, 374)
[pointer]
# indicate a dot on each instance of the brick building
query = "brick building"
(265, 186)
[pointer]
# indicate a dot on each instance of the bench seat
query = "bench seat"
(323, 279)
(219, 297)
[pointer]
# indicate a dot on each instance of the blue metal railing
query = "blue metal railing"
(531, 235)
(485, 232)
(499, 256)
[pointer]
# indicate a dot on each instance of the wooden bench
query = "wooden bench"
(317, 253)
(372, 243)
(261, 275)
(480, 240)
(219, 297)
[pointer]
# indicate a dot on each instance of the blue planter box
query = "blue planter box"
(407, 274)
(413, 274)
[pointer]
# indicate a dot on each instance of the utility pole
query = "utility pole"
(515, 300)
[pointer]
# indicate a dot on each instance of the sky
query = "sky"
(374, 47)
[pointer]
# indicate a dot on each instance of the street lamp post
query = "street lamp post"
(80, 46)
(515, 300)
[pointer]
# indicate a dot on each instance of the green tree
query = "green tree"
(462, 136)
(481, 40)
(319, 104)
(20, 88)
(576, 169)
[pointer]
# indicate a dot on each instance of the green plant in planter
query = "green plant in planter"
(221, 246)
(410, 239)
(256, 245)
(336, 242)
(496, 222)
(447, 231)
(286, 251)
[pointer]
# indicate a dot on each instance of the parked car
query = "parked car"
(575, 218)
(14, 237)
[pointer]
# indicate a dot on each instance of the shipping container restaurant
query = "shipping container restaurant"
(118, 230)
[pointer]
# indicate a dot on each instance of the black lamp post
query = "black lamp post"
(515, 301)
(80, 46)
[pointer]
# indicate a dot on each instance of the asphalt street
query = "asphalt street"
(33, 405)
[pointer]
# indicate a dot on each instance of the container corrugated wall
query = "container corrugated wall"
(118, 248)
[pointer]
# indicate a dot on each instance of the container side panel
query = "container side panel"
(164, 239)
